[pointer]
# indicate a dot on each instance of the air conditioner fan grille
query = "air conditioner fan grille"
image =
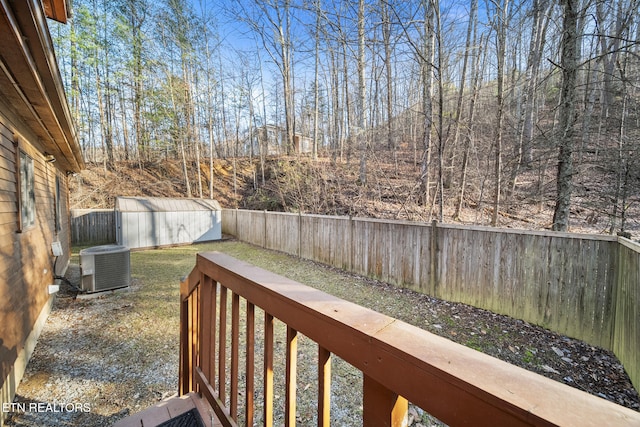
(111, 270)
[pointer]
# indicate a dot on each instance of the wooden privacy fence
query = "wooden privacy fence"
(399, 362)
(583, 286)
(626, 341)
(92, 226)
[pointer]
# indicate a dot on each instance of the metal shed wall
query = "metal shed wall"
(153, 222)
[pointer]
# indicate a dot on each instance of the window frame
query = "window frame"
(25, 189)
(58, 206)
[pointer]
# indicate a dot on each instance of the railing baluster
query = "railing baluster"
(222, 353)
(185, 368)
(268, 370)
(291, 377)
(214, 327)
(235, 332)
(324, 387)
(381, 406)
(250, 364)
(205, 326)
(195, 334)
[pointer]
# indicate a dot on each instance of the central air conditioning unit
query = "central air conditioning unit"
(104, 268)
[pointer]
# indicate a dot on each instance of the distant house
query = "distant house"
(272, 140)
(302, 144)
(38, 152)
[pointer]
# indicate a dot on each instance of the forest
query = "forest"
(508, 105)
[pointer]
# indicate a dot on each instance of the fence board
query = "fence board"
(92, 226)
(318, 239)
(229, 221)
(250, 226)
(627, 318)
(562, 281)
(282, 232)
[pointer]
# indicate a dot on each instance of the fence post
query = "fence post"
(264, 235)
(433, 262)
(352, 249)
(299, 234)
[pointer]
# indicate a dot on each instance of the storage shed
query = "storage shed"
(147, 222)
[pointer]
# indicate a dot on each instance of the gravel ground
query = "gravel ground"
(101, 359)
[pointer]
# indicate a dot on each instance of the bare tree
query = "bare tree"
(541, 15)
(426, 57)
(471, 26)
(471, 49)
(564, 135)
(500, 24)
(271, 21)
(386, 39)
(362, 93)
(316, 78)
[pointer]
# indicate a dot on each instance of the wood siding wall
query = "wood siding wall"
(26, 260)
(92, 226)
(579, 285)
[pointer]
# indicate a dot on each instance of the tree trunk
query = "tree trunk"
(123, 116)
(502, 12)
(137, 12)
(523, 153)
(386, 37)
(361, 133)
(622, 167)
(469, 134)
(347, 102)
(285, 52)
(458, 112)
(210, 102)
(316, 79)
(441, 136)
(564, 136)
(426, 69)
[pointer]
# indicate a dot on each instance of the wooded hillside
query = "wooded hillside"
(423, 109)
(322, 187)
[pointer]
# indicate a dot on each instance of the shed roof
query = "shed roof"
(164, 204)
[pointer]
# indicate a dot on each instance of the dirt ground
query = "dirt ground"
(116, 354)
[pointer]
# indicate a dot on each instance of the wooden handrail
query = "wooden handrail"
(399, 362)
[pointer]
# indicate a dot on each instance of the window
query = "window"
(27, 192)
(58, 206)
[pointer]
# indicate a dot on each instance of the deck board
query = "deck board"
(170, 408)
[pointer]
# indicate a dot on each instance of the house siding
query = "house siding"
(26, 260)
(34, 119)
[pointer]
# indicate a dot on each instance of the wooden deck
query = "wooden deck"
(399, 363)
(171, 408)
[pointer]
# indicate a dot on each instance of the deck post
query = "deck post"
(381, 406)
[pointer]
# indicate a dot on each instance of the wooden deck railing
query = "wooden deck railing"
(400, 363)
